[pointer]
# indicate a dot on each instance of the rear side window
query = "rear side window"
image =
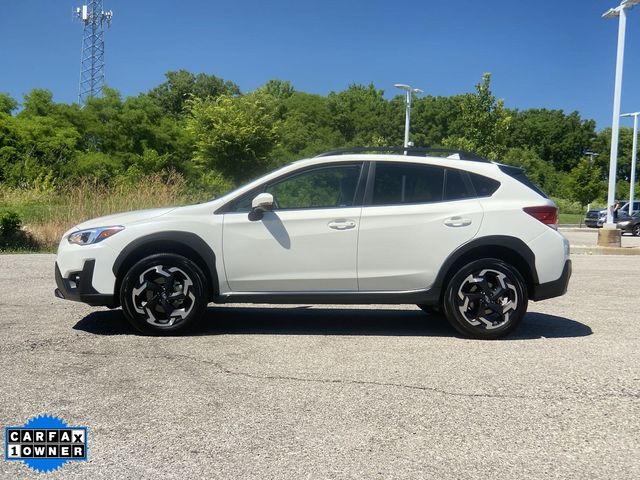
(485, 187)
(455, 188)
(398, 183)
(519, 175)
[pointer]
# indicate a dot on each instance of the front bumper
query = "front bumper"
(591, 222)
(555, 288)
(79, 287)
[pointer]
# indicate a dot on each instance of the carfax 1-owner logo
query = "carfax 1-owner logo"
(45, 443)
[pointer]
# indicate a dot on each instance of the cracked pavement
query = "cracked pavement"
(322, 392)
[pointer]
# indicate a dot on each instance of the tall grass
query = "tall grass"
(48, 214)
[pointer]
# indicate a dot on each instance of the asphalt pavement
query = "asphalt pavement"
(318, 392)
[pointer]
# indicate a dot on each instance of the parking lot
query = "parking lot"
(300, 392)
(589, 237)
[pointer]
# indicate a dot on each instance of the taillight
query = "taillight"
(547, 215)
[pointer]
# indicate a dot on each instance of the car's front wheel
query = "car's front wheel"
(486, 299)
(636, 230)
(163, 294)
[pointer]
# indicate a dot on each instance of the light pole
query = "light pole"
(592, 157)
(634, 156)
(409, 91)
(620, 12)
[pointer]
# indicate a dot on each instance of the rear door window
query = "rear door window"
(406, 183)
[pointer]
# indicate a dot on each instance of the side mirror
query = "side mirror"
(263, 202)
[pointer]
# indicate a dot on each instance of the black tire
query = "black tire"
(636, 230)
(163, 294)
(431, 310)
(476, 296)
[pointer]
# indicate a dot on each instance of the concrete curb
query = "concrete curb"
(576, 228)
(593, 250)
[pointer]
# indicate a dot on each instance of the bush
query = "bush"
(10, 224)
(12, 237)
(567, 206)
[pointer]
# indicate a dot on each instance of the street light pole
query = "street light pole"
(621, 13)
(634, 159)
(409, 91)
(592, 157)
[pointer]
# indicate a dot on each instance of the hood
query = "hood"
(124, 219)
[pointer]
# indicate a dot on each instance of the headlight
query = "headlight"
(93, 235)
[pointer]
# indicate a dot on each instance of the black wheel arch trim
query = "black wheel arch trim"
(554, 288)
(169, 242)
(485, 244)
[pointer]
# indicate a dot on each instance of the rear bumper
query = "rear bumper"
(555, 288)
(79, 287)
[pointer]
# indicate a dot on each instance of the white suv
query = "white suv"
(462, 235)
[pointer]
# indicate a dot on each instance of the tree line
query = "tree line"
(216, 136)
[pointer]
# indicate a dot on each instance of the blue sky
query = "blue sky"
(553, 54)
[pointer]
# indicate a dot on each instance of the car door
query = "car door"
(307, 243)
(414, 216)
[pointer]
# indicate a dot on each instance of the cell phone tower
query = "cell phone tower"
(94, 18)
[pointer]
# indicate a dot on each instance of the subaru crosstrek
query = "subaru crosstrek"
(472, 239)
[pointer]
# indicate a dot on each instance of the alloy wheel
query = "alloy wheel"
(487, 299)
(163, 295)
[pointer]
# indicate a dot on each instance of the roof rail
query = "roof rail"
(412, 151)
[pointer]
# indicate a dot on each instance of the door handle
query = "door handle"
(342, 224)
(457, 222)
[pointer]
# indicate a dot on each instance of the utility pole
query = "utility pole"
(94, 18)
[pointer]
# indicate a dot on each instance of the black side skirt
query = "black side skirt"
(428, 297)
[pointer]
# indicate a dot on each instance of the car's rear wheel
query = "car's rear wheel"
(486, 299)
(163, 294)
(636, 230)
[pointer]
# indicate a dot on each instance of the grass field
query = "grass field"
(46, 215)
(570, 218)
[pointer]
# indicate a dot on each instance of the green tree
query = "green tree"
(585, 183)
(539, 172)
(278, 88)
(38, 103)
(484, 123)
(306, 128)
(555, 137)
(233, 135)
(432, 119)
(7, 104)
(361, 114)
(602, 146)
(181, 85)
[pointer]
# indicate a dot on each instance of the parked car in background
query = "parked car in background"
(630, 224)
(636, 207)
(593, 217)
